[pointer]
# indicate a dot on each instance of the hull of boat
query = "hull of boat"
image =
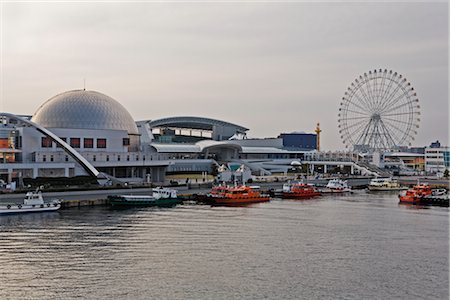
(242, 200)
(335, 191)
(293, 195)
(384, 189)
(15, 209)
(409, 199)
(142, 202)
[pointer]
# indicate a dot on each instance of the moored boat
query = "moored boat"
(240, 195)
(163, 197)
(299, 190)
(415, 194)
(336, 186)
(33, 202)
(384, 184)
(438, 197)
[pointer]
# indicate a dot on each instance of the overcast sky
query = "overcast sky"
(271, 67)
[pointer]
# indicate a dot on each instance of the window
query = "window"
(128, 158)
(51, 158)
(75, 142)
(94, 158)
(67, 158)
(126, 141)
(107, 157)
(44, 158)
(88, 143)
(118, 157)
(46, 142)
(101, 143)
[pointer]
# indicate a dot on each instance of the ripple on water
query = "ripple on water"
(354, 246)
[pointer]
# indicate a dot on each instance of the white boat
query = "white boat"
(385, 184)
(336, 186)
(33, 202)
(159, 197)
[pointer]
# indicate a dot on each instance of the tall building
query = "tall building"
(437, 159)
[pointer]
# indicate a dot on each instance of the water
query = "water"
(360, 246)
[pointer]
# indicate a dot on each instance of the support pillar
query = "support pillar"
(324, 169)
(352, 169)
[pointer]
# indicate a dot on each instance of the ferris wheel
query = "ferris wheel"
(380, 111)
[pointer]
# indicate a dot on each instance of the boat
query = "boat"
(415, 194)
(384, 184)
(299, 190)
(33, 202)
(241, 194)
(438, 197)
(163, 197)
(336, 186)
(218, 191)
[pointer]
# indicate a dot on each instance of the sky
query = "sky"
(269, 66)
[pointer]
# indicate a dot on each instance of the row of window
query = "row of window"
(88, 143)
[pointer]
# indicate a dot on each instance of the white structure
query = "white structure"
(437, 160)
(76, 133)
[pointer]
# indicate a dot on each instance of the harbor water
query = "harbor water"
(359, 246)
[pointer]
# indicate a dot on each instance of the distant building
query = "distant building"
(437, 158)
(299, 141)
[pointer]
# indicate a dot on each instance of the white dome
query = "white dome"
(84, 110)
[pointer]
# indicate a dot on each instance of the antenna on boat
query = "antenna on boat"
(84, 84)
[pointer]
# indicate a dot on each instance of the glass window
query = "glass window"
(126, 141)
(46, 142)
(75, 142)
(88, 143)
(101, 143)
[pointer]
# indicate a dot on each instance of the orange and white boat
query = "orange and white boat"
(299, 191)
(218, 191)
(240, 195)
(415, 194)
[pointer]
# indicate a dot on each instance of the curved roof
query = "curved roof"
(83, 109)
(193, 148)
(194, 123)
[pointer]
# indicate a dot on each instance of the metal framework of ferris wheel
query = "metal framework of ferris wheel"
(380, 111)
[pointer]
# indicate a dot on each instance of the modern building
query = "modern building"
(437, 159)
(81, 132)
(76, 133)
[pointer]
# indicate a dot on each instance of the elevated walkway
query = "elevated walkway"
(376, 171)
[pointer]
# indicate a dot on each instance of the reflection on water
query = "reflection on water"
(349, 246)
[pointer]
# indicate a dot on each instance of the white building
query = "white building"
(437, 160)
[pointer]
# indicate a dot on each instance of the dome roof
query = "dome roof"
(84, 110)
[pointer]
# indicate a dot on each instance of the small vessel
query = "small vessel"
(384, 184)
(33, 202)
(336, 186)
(299, 190)
(218, 191)
(240, 195)
(163, 197)
(415, 194)
(438, 197)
